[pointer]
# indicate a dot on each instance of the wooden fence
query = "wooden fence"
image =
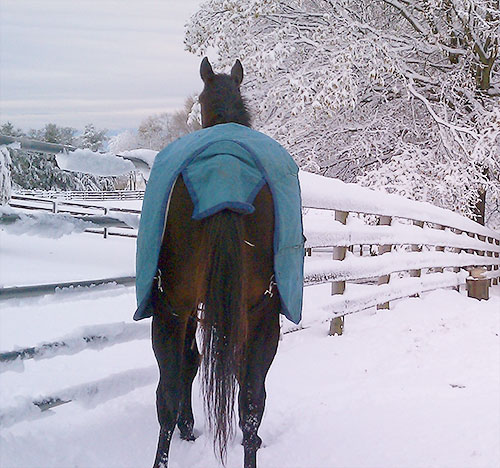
(412, 247)
(125, 227)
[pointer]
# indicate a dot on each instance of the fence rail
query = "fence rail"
(50, 288)
(91, 337)
(57, 206)
(117, 195)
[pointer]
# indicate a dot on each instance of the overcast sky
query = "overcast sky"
(111, 63)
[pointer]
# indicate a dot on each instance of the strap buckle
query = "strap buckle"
(269, 290)
(158, 280)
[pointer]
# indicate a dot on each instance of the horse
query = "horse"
(215, 274)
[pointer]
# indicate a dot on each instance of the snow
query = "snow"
(27, 260)
(145, 155)
(414, 386)
(88, 337)
(107, 164)
(42, 224)
(60, 224)
(322, 231)
(90, 162)
(323, 192)
(356, 299)
(355, 267)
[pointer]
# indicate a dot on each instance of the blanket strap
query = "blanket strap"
(268, 294)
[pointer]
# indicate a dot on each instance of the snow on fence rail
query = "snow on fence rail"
(89, 337)
(413, 247)
(89, 394)
(118, 195)
(49, 288)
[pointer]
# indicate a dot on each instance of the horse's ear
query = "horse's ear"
(206, 71)
(237, 72)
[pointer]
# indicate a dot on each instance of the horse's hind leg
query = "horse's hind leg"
(167, 337)
(262, 345)
(191, 363)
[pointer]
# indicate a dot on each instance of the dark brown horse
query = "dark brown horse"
(217, 274)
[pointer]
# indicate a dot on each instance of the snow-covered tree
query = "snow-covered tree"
(32, 170)
(92, 138)
(124, 141)
(52, 133)
(155, 131)
(182, 124)
(8, 129)
(5, 177)
(371, 88)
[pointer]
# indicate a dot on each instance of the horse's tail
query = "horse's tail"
(224, 322)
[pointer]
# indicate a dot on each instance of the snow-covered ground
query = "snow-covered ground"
(414, 386)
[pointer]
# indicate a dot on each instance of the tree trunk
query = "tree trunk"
(480, 208)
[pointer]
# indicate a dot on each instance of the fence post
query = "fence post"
(439, 248)
(382, 249)
(495, 267)
(481, 253)
(457, 250)
(338, 287)
(471, 251)
(489, 253)
(477, 285)
(106, 210)
(416, 248)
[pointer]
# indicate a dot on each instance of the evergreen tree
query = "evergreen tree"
(8, 129)
(32, 170)
(92, 138)
(52, 133)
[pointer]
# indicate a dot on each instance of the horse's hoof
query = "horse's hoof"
(161, 460)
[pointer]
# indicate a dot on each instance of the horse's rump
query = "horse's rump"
(185, 250)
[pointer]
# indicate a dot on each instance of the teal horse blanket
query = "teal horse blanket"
(224, 167)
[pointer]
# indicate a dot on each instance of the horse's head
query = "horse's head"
(221, 100)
